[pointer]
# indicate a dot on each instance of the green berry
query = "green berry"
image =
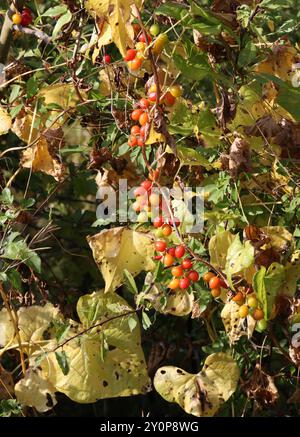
(154, 29)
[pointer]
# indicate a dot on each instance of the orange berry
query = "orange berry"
(214, 282)
(135, 64)
(135, 130)
(207, 276)
(132, 142)
(174, 284)
(144, 103)
(258, 314)
(215, 292)
(135, 115)
(177, 271)
(167, 230)
(239, 297)
(168, 260)
(143, 119)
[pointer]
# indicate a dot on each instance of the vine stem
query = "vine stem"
(14, 318)
(97, 325)
(6, 31)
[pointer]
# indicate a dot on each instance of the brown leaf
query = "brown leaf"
(239, 157)
(41, 157)
(261, 388)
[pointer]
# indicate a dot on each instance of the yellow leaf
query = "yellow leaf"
(201, 394)
(154, 137)
(119, 248)
(236, 327)
(122, 369)
(5, 121)
(35, 391)
(119, 15)
(39, 158)
(218, 247)
(103, 352)
(178, 303)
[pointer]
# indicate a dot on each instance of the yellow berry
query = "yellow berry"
(243, 311)
(175, 90)
(16, 18)
(160, 43)
(252, 302)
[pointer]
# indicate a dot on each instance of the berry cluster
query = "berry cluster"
(182, 273)
(248, 302)
(138, 131)
(24, 18)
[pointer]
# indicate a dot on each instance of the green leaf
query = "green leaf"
(32, 87)
(146, 322)
(190, 70)
(15, 279)
(56, 10)
(240, 256)
(174, 10)
(247, 54)
(132, 323)
(266, 284)
(61, 330)
(188, 156)
(6, 197)
(62, 361)
(10, 407)
(130, 282)
(18, 250)
(64, 19)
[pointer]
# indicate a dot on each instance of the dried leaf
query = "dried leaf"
(236, 327)
(5, 121)
(35, 391)
(201, 394)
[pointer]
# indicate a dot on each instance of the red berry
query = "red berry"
(141, 142)
(158, 222)
(152, 97)
(132, 142)
(157, 257)
(171, 251)
(184, 283)
(143, 39)
(169, 99)
(223, 284)
(130, 55)
(144, 103)
(107, 59)
(160, 246)
(143, 131)
(214, 282)
(26, 17)
(179, 251)
(147, 185)
(187, 264)
(193, 276)
(176, 221)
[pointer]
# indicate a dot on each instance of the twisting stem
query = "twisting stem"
(6, 31)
